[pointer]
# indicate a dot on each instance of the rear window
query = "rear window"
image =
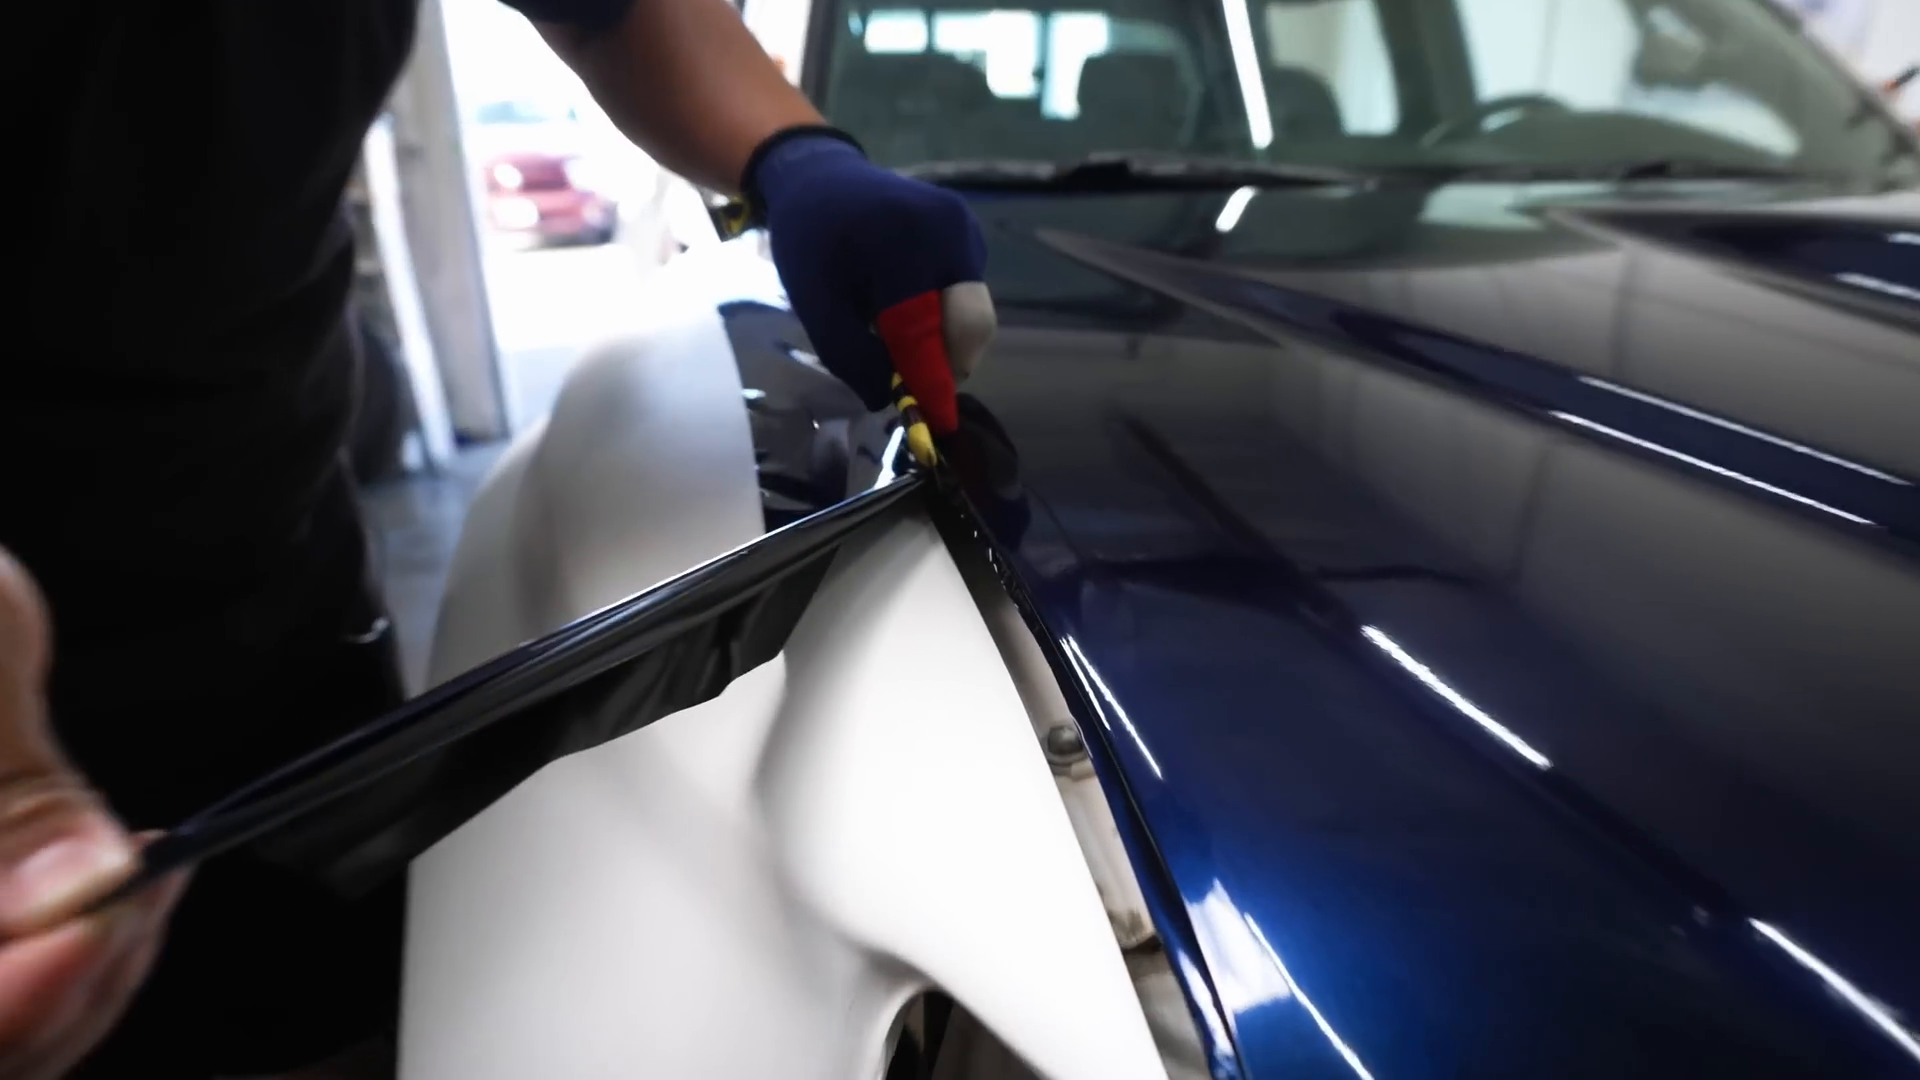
(933, 83)
(1361, 84)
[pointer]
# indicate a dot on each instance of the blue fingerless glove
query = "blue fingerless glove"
(884, 272)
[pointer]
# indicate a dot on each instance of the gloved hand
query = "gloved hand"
(884, 272)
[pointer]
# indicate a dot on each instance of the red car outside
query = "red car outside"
(540, 183)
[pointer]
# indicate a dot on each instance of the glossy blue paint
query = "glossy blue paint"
(1498, 608)
(1855, 493)
(1860, 249)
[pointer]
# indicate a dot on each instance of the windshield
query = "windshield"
(1355, 84)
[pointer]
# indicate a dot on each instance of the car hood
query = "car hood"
(1499, 605)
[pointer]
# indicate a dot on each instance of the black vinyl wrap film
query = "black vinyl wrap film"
(359, 809)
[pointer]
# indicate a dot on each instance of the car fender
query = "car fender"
(755, 886)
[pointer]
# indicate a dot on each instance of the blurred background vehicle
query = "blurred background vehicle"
(543, 184)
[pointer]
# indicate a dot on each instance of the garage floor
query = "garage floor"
(415, 522)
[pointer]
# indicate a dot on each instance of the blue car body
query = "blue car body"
(1542, 722)
(1488, 579)
(1511, 629)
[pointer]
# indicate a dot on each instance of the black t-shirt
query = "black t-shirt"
(181, 382)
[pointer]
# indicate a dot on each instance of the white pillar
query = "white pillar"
(438, 191)
(403, 294)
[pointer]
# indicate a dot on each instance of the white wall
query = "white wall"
(438, 193)
(1842, 24)
(1880, 38)
(781, 26)
(1892, 43)
(1574, 50)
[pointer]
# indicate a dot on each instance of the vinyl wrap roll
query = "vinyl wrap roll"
(361, 808)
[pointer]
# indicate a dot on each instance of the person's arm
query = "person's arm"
(687, 82)
(886, 273)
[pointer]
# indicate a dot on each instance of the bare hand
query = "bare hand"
(65, 978)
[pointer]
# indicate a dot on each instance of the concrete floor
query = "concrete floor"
(415, 522)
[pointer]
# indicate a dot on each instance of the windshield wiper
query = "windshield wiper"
(1667, 168)
(1692, 169)
(1120, 172)
(1123, 172)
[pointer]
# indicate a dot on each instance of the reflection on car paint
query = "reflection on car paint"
(1235, 206)
(1879, 285)
(1245, 970)
(1085, 670)
(1453, 697)
(1876, 1013)
(1542, 388)
(1743, 429)
(1255, 597)
(1647, 444)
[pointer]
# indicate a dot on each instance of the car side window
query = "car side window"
(929, 84)
(1613, 56)
(1006, 45)
(894, 31)
(1326, 63)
